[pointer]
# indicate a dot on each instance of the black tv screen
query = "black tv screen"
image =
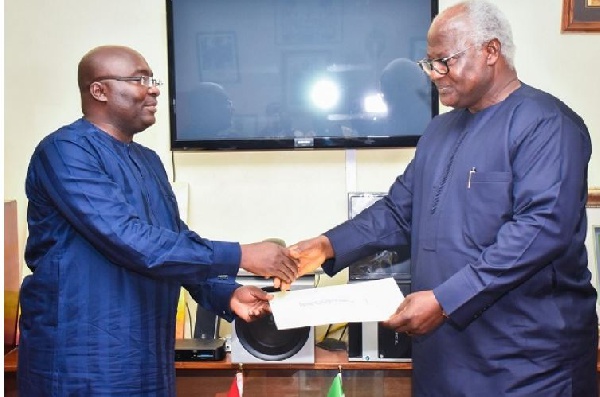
(289, 74)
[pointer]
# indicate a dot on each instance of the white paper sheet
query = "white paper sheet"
(364, 301)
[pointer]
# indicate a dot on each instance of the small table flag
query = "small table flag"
(335, 390)
(237, 386)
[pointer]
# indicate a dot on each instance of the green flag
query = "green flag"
(335, 390)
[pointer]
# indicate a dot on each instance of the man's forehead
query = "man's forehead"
(447, 35)
(122, 63)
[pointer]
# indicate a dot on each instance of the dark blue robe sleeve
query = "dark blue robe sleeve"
(383, 225)
(549, 167)
(88, 197)
(214, 295)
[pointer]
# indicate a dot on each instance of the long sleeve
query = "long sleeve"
(549, 187)
(386, 224)
(214, 295)
(94, 185)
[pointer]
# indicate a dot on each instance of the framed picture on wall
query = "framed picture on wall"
(581, 16)
(217, 57)
(593, 236)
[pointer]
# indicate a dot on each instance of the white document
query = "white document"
(365, 301)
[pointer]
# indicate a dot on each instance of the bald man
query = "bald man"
(108, 251)
(493, 205)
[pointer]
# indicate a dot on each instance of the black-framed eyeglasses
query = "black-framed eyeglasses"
(147, 81)
(440, 65)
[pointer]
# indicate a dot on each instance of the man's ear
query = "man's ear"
(97, 91)
(493, 49)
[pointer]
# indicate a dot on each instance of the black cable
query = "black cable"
(343, 332)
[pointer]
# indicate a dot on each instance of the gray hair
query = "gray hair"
(487, 22)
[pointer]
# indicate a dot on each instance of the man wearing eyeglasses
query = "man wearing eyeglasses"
(108, 251)
(493, 205)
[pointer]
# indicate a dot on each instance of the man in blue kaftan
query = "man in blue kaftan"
(109, 253)
(493, 205)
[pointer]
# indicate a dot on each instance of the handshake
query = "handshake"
(271, 258)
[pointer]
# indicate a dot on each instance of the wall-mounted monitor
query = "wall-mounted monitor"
(292, 74)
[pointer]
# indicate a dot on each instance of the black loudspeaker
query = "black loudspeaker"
(207, 324)
(373, 342)
(264, 342)
(261, 342)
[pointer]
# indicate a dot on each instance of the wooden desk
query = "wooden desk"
(213, 378)
(368, 379)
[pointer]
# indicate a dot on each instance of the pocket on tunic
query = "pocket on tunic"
(489, 206)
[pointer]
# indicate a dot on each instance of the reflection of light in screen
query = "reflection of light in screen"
(325, 94)
(374, 103)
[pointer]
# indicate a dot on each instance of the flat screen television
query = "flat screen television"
(293, 74)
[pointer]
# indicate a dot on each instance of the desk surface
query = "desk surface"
(323, 360)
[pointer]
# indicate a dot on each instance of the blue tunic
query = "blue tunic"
(493, 205)
(109, 253)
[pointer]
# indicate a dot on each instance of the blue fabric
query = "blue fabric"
(504, 254)
(109, 253)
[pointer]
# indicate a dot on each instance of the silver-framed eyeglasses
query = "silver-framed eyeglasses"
(146, 81)
(440, 65)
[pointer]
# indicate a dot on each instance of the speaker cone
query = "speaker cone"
(263, 340)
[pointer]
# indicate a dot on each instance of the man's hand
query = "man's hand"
(269, 259)
(310, 254)
(250, 302)
(419, 313)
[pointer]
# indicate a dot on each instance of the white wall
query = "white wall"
(252, 195)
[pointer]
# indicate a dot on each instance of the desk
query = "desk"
(368, 379)
(213, 378)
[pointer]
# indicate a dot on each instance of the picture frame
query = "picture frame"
(217, 57)
(592, 240)
(593, 200)
(580, 16)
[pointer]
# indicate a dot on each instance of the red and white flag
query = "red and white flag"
(237, 386)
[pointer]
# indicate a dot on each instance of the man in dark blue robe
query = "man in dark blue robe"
(493, 205)
(109, 253)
